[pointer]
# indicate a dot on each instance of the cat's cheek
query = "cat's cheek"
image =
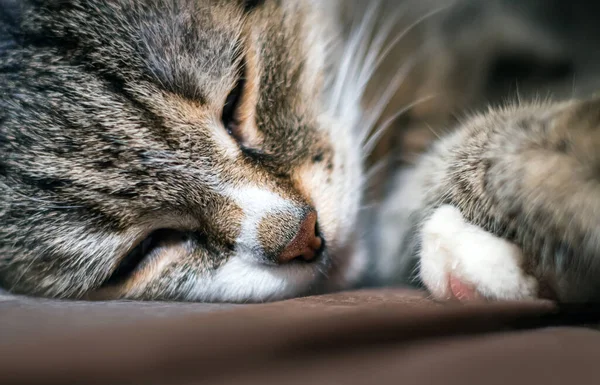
(138, 284)
(455, 251)
(241, 281)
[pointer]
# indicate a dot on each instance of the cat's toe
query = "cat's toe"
(462, 261)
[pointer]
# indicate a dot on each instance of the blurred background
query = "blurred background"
(461, 55)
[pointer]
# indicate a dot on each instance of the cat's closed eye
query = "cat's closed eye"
(231, 116)
(164, 150)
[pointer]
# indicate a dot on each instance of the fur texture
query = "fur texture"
(114, 136)
(525, 174)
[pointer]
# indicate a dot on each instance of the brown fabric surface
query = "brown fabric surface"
(368, 337)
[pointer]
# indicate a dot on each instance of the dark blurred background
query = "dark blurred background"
(473, 53)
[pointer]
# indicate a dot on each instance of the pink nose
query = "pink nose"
(306, 244)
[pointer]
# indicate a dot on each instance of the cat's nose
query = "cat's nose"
(307, 243)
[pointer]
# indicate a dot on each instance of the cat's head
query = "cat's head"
(174, 149)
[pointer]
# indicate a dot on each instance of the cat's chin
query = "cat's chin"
(242, 281)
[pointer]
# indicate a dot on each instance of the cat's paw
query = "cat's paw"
(461, 261)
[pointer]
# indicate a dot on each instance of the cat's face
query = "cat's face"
(175, 150)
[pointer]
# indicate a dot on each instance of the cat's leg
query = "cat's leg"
(461, 261)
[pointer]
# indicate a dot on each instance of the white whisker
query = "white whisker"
(369, 62)
(375, 169)
(377, 110)
(349, 56)
(434, 132)
(374, 138)
(370, 206)
(388, 48)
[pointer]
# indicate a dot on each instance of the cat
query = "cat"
(506, 207)
(213, 151)
(177, 150)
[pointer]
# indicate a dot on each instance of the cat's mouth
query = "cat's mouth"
(155, 260)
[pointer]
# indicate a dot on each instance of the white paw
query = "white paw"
(462, 261)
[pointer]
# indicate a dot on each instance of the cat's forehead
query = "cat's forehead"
(290, 41)
(188, 47)
(194, 49)
(281, 45)
(174, 63)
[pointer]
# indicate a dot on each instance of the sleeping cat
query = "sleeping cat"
(506, 207)
(212, 151)
(188, 150)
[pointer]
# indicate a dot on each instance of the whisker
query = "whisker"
(434, 132)
(376, 136)
(366, 46)
(375, 169)
(400, 36)
(374, 58)
(376, 111)
(350, 51)
(369, 206)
